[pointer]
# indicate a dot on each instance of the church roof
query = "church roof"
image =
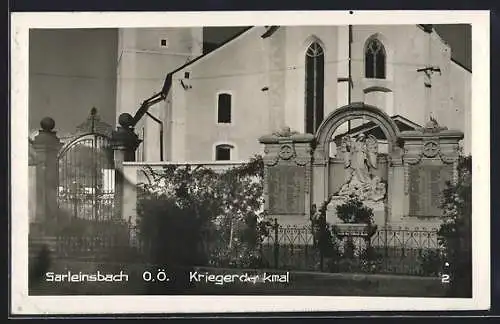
(272, 29)
(269, 32)
(168, 79)
(461, 65)
(213, 50)
(370, 128)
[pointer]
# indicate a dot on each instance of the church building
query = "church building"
(219, 102)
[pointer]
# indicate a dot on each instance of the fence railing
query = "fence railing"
(291, 247)
(93, 241)
(391, 250)
(395, 250)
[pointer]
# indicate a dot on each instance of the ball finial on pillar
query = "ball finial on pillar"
(125, 120)
(47, 124)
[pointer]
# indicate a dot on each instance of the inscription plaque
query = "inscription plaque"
(286, 189)
(427, 183)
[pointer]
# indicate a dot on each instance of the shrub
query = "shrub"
(431, 262)
(324, 239)
(353, 211)
(196, 216)
(456, 233)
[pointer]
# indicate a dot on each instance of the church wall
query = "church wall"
(166, 115)
(177, 124)
(407, 50)
(238, 68)
(461, 103)
(71, 71)
(142, 68)
(266, 80)
(444, 88)
(125, 74)
(243, 68)
(278, 79)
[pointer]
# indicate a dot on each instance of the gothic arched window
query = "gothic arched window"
(315, 64)
(375, 59)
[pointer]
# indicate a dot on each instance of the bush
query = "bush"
(196, 216)
(353, 211)
(456, 232)
(324, 239)
(431, 262)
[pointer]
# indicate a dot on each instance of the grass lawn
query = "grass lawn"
(299, 283)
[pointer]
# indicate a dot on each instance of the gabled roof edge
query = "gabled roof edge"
(461, 65)
(210, 52)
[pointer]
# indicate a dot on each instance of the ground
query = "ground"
(300, 283)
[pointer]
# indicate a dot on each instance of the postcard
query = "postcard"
(221, 162)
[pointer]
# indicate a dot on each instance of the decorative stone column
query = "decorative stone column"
(287, 176)
(46, 145)
(395, 172)
(124, 142)
(430, 160)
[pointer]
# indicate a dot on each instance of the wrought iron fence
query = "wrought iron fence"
(88, 240)
(291, 247)
(406, 251)
(410, 251)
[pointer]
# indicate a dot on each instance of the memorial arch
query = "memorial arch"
(329, 171)
(353, 111)
(398, 168)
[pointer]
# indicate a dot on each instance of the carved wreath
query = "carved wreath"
(431, 149)
(286, 152)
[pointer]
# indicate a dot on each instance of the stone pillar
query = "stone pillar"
(46, 145)
(395, 205)
(320, 176)
(124, 142)
(287, 176)
(430, 160)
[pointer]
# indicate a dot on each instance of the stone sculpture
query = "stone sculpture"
(360, 157)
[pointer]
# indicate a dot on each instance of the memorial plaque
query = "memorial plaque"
(286, 189)
(427, 183)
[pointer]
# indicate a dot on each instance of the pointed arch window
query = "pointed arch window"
(315, 65)
(375, 57)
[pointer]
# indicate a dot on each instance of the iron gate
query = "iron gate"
(86, 173)
(86, 178)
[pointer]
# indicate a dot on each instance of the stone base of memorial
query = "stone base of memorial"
(354, 238)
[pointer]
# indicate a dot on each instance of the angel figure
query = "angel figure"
(360, 156)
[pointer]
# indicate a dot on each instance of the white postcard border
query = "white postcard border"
(24, 304)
